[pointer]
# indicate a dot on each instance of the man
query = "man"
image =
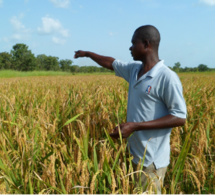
(155, 103)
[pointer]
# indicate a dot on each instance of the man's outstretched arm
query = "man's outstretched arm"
(103, 61)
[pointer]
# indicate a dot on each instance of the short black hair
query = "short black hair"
(148, 33)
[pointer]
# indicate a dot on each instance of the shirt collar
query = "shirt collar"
(154, 71)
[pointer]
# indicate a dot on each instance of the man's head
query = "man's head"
(145, 40)
(148, 33)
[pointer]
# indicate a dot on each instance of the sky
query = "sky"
(60, 27)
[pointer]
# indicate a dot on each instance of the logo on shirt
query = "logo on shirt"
(148, 89)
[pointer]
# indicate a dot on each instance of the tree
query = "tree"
(177, 66)
(23, 59)
(47, 62)
(203, 68)
(74, 68)
(65, 65)
(41, 62)
(5, 60)
(51, 63)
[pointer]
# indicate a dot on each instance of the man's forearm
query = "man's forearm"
(104, 61)
(128, 128)
(162, 123)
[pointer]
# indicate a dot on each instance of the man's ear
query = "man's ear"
(146, 43)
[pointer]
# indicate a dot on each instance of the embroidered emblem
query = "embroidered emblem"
(148, 89)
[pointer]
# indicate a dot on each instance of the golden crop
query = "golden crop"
(54, 136)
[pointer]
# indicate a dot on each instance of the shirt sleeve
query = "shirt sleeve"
(122, 69)
(173, 98)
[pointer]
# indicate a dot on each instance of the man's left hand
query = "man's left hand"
(126, 130)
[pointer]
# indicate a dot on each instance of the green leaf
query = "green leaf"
(95, 160)
(72, 120)
(117, 158)
(30, 186)
(62, 186)
(85, 143)
(106, 169)
(110, 140)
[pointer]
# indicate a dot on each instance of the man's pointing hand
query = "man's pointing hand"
(80, 53)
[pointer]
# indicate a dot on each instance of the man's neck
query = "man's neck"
(147, 65)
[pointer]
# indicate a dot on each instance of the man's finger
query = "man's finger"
(115, 133)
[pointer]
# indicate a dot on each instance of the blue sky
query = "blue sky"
(59, 27)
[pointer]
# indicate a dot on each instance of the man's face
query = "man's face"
(138, 50)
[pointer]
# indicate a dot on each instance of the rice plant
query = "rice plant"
(54, 137)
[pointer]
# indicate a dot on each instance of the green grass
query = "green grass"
(95, 73)
(13, 73)
(209, 73)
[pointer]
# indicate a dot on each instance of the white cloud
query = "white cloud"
(61, 3)
(17, 24)
(52, 26)
(1, 3)
(208, 2)
(20, 31)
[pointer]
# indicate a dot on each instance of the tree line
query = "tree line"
(200, 68)
(21, 58)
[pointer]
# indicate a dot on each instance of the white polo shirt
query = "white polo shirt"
(156, 94)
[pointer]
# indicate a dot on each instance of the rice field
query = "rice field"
(54, 137)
